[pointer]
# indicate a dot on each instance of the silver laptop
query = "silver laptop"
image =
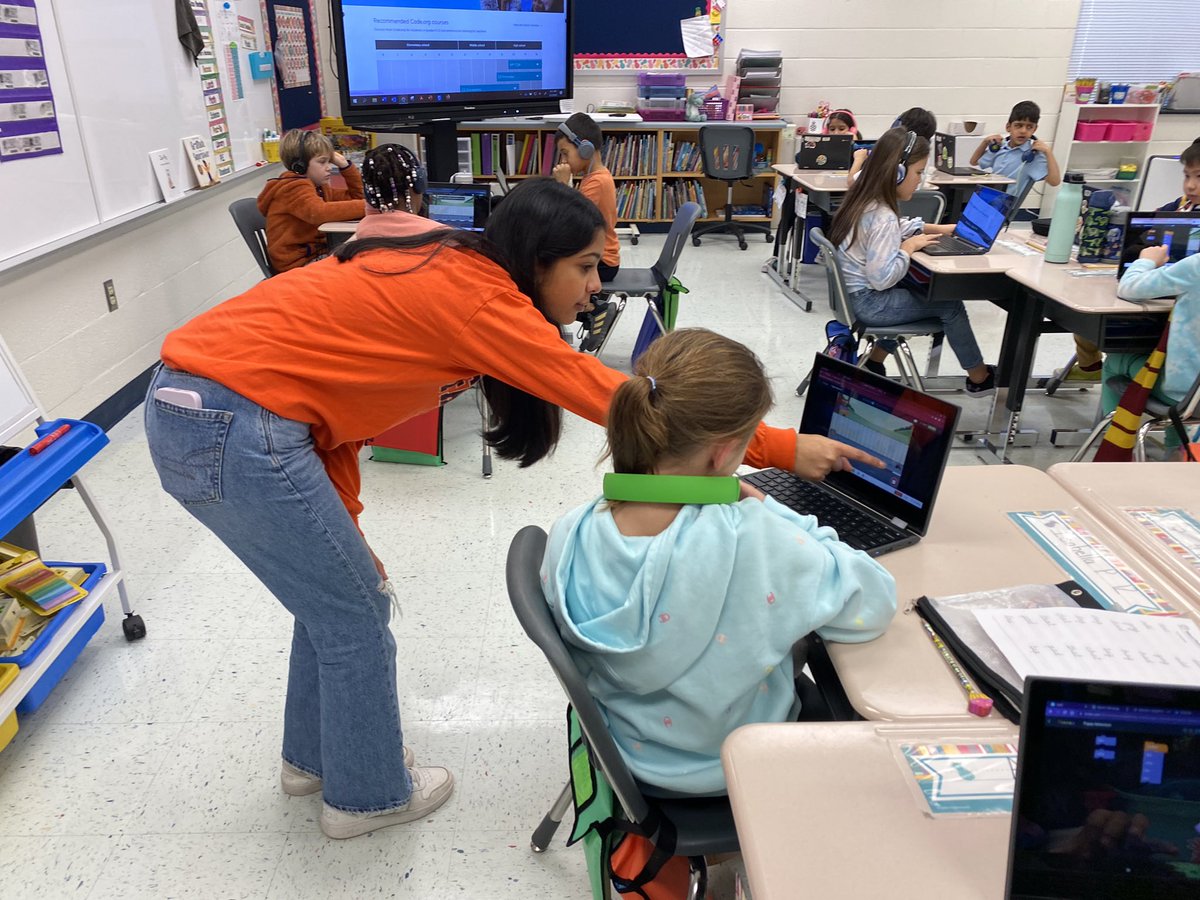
(1107, 798)
(872, 509)
(464, 206)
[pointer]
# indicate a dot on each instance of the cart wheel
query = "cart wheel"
(633, 240)
(768, 237)
(134, 627)
(741, 245)
(695, 242)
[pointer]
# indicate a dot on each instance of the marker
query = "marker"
(978, 703)
(49, 439)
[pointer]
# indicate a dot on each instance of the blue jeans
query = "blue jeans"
(255, 480)
(899, 306)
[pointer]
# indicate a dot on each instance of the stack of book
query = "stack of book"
(635, 200)
(761, 72)
(515, 154)
(682, 157)
(630, 154)
(677, 193)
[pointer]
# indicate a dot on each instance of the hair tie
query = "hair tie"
(653, 383)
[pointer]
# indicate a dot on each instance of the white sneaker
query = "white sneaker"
(298, 783)
(431, 787)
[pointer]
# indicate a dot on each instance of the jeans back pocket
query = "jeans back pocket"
(188, 448)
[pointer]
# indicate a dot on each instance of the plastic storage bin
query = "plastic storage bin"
(95, 571)
(53, 675)
(8, 728)
(1091, 131)
(1121, 131)
(1142, 131)
(28, 480)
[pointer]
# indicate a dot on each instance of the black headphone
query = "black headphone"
(300, 166)
(902, 166)
(1026, 157)
(586, 148)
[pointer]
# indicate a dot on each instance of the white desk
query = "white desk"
(784, 267)
(824, 810)
(337, 233)
(959, 188)
(972, 545)
(1106, 490)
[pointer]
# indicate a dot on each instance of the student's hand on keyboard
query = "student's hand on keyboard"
(817, 456)
(918, 242)
(749, 491)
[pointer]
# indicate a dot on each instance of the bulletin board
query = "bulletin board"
(619, 35)
(123, 86)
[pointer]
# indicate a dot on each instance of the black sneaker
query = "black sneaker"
(877, 367)
(985, 388)
(602, 319)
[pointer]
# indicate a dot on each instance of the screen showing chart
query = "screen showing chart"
(408, 55)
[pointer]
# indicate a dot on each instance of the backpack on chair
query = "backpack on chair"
(841, 342)
(639, 857)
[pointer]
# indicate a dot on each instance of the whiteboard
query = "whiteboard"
(124, 86)
(1162, 183)
(48, 197)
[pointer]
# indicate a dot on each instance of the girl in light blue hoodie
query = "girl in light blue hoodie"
(683, 617)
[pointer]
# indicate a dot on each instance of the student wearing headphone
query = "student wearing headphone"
(394, 182)
(579, 142)
(874, 247)
(1020, 156)
(300, 199)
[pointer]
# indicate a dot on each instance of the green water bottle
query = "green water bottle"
(1063, 222)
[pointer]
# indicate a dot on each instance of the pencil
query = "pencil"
(978, 703)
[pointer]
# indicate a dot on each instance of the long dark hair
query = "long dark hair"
(876, 182)
(539, 222)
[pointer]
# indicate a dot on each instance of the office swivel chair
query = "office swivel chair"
(728, 153)
(704, 825)
(872, 334)
(253, 227)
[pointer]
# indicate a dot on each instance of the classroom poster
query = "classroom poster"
(214, 98)
(249, 36)
(291, 52)
(1176, 529)
(28, 123)
(973, 779)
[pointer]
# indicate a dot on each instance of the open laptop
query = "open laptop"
(1179, 231)
(464, 206)
(985, 215)
(1107, 797)
(824, 151)
(876, 510)
(946, 153)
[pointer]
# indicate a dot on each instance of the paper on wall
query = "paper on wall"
(697, 36)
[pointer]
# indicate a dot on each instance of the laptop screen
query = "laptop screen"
(984, 216)
(910, 431)
(1107, 802)
(1179, 231)
(464, 206)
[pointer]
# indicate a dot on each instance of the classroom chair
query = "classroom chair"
(253, 227)
(1159, 413)
(728, 154)
(650, 283)
(896, 334)
(929, 206)
(704, 825)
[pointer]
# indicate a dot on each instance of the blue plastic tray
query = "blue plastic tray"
(53, 675)
(28, 481)
(95, 571)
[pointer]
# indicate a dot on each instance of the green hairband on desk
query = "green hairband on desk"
(701, 489)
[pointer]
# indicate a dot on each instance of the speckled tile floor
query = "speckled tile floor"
(152, 770)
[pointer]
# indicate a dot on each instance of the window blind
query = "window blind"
(1123, 41)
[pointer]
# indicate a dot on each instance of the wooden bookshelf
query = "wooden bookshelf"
(750, 192)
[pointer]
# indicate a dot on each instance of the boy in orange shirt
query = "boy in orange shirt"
(300, 199)
(579, 147)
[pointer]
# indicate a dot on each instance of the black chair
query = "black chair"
(650, 283)
(728, 153)
(872, 334)
(253, 227)
(1159, 416)
(704, 825)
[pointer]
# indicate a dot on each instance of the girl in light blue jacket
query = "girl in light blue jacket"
(682, 617)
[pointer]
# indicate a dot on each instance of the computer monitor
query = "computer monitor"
(464, 206)
(1178, 231)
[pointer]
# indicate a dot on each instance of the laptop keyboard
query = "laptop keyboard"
(855, 527)
(951, 242)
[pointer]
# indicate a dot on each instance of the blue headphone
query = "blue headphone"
(902, 166)
(1026, 157)
(586, 148)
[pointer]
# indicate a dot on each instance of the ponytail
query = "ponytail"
(693, 387)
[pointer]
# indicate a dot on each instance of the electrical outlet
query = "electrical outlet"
(110, 294)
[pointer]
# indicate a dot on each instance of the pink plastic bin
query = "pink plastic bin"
(1142, 131)
(1121, 131)
(1091, 131)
